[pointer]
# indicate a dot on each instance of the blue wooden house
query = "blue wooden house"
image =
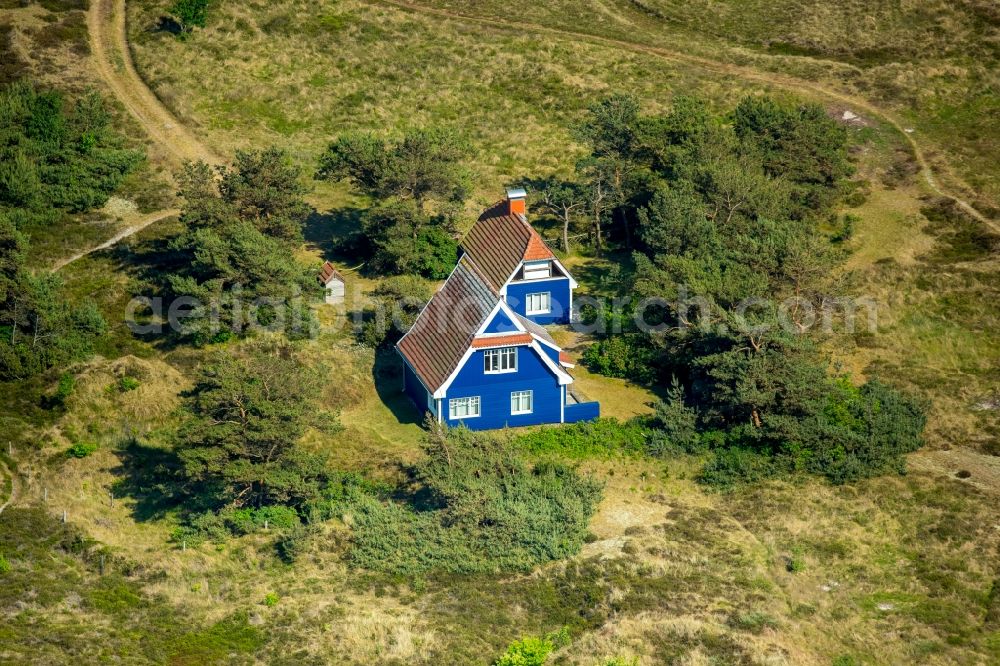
(517, 263)
(473, 358)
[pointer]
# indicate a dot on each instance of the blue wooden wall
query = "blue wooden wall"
(558, 287)
(500, 323)
(552, 353)
(494, 392)
(413, 388)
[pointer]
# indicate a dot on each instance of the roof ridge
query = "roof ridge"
(446, 326)
(479, 273)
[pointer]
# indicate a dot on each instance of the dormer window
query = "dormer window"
(537, 270)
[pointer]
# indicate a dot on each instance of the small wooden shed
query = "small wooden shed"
(333, 282)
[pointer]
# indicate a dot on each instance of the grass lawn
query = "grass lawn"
(891, 570)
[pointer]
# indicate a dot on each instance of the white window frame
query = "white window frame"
(538, 310)
(537, 270)
(471, 403)
(505, 360)
(520, 396)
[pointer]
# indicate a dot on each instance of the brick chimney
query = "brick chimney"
(516, 201)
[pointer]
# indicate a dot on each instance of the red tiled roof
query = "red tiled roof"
(446, 327)
(327, 273)
(565, 359)
(502, 340)
(500, 241)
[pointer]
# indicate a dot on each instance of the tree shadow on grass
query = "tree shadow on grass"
(335, 233)
(150, 476)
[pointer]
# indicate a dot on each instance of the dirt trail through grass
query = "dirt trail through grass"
(113, 61)
(143, 222)
(7, 473)
(787, 82)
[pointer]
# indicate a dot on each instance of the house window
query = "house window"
(500, 360)
(537, 270)
(540, 303)
(463, 408)
(521, 402)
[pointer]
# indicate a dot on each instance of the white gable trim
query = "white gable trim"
(511, 315)
(572, 282)
(412, 369)
(443, 389)
(550, 345)
(560, 374)
(569, 276)
(503, 288)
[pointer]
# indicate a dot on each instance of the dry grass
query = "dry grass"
(931, 63)
(674, 574)
(50, 47)
(378, 68)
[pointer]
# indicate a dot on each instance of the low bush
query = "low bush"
(294, 542)
(81, 449)
(126, 384)
(735, 466)
(64, 389)
(603, 437)
(624, 356)
(533, 650)
(248, 520)
(190, 13)
(478, 508)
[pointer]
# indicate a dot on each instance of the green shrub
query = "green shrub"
(846, 230)
(869, 430)
(81, 449)
(4, 564)
(126, 384)
(483, 509)
(56, 155)
(674, 425)
(992, 618)
(602, 437)
(271, 599)
(248, 520)
(190, 13)
(531, 651)
(294, 543)
(67, 383)
(625, 356)
(795, 564)
(735, 466)
(65, 389)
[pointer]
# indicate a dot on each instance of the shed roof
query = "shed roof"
(328, 274)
